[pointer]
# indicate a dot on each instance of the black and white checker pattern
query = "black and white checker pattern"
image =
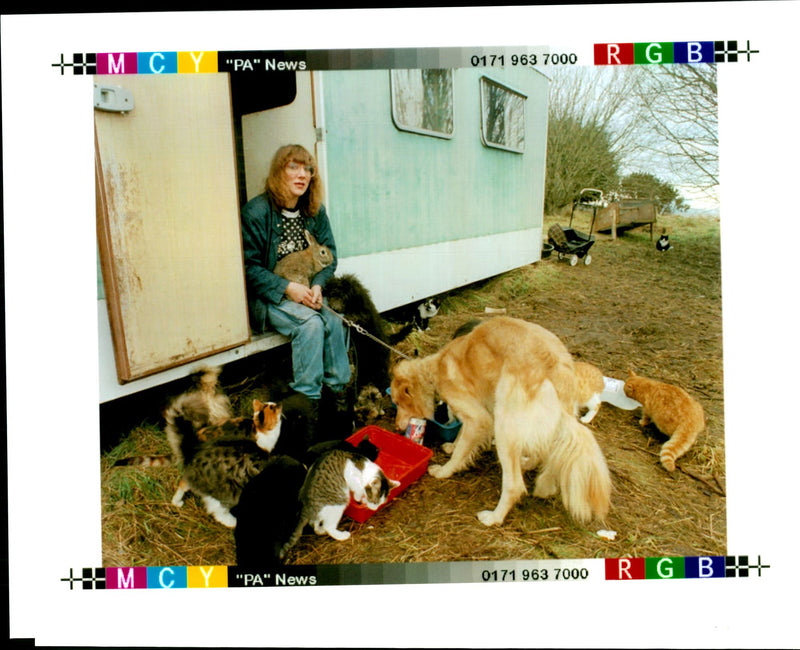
(82, 64)
(88, 579)
(729, 51)
(738, 566)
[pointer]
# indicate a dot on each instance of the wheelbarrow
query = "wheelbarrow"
(571, 243)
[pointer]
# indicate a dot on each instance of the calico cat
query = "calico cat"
(264, 426)
(183, 435)
(268, 512)
(673, 411)
(326, 492)
(218, 468)
(590, 385)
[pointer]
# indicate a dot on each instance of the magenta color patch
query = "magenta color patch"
(117, 63)
(126, 577)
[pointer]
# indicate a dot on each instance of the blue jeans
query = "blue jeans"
(319, 346)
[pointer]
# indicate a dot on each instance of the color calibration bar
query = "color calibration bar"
(166, 62)
(575, 571)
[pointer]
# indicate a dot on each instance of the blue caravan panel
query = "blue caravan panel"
(391, 189)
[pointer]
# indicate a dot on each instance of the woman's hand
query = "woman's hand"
(310, 297)
(316, 292)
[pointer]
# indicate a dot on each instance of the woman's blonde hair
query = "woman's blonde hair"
(311, 201)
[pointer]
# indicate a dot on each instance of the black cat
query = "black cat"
(268, 512)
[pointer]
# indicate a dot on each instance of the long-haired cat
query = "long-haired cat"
(218, 468)
(590, 386)
(204, 405)
(673, 411)
(268, 512)
(348, 296)
(327, 488)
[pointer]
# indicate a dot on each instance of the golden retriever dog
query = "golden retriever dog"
(514, 382)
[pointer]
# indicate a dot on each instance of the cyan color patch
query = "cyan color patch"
(166, 577)
(157, 62)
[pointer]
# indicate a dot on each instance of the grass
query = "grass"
(660, 313)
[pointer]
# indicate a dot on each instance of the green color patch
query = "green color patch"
(653, 53)
(664, 568)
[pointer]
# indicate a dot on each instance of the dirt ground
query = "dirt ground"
(632, 307)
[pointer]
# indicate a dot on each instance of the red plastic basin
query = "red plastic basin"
(400, 459)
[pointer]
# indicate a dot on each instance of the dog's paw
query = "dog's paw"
(448, 447)
(488, 518)
(439, 471)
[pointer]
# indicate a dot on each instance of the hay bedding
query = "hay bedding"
(659, 313)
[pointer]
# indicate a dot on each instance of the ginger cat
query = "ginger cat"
(672, 410)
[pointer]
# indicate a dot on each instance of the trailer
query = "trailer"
(434, 179)
(625, 214)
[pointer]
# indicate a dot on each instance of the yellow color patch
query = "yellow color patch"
(189, 62)
(205, 577)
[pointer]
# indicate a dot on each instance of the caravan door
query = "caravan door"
(168, 228)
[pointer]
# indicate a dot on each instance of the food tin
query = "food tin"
(416, 430)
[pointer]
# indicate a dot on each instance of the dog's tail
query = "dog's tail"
(585, 481)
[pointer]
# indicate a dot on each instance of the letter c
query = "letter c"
(161, 67)
(166, 585)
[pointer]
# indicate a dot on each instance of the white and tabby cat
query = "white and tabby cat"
(218, 468)
(327, 488)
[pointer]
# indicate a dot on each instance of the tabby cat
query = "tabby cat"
(673, 411)
(326, 492)
(218, 468)
(590, 385)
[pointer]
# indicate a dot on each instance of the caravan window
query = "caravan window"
(502, 116)
(422, 101)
